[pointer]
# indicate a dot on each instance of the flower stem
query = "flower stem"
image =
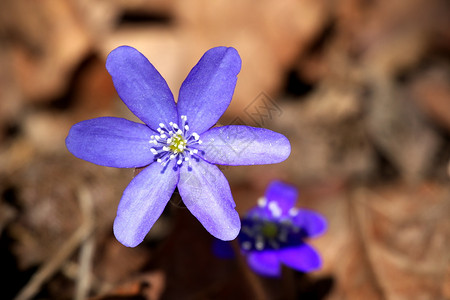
(254, 281)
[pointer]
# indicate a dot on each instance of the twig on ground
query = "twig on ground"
(55, 262)
(87, 247)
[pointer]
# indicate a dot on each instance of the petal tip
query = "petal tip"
(230, 232)
(315, 263)
(235, 55)
(303, 258)
(72, 140)
(322, 226)
(286, 149)
(124, 237)
(118, 52)
(229, 55)
(283, 148)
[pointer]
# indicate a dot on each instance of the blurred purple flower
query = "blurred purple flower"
(176, 144)
(273, 233)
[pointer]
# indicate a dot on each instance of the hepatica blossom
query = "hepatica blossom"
(274, 233)
(177, 144)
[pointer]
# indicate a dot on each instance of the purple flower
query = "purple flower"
(274, 233)
(176, 144)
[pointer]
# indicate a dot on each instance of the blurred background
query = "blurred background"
(360, 87)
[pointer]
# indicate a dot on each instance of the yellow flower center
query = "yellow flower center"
(174, 142)
(178, 144)
(270, 230)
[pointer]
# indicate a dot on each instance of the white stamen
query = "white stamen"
(293, 212)
(246, 245)
(259, 245)
(262, 202)
(275, 209)
(174, 143)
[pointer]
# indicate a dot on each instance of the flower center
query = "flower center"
(175, 142)
(269, 230)
(266, 228)
(178, 144)
(262, 234)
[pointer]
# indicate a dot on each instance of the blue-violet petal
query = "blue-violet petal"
(207, 90)
(265, 263)
(141, 87)
(143, 201)
(302, 258)
(312, 223)
(111, 142)
(244, 145)
(206, 193)
(283, 194)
